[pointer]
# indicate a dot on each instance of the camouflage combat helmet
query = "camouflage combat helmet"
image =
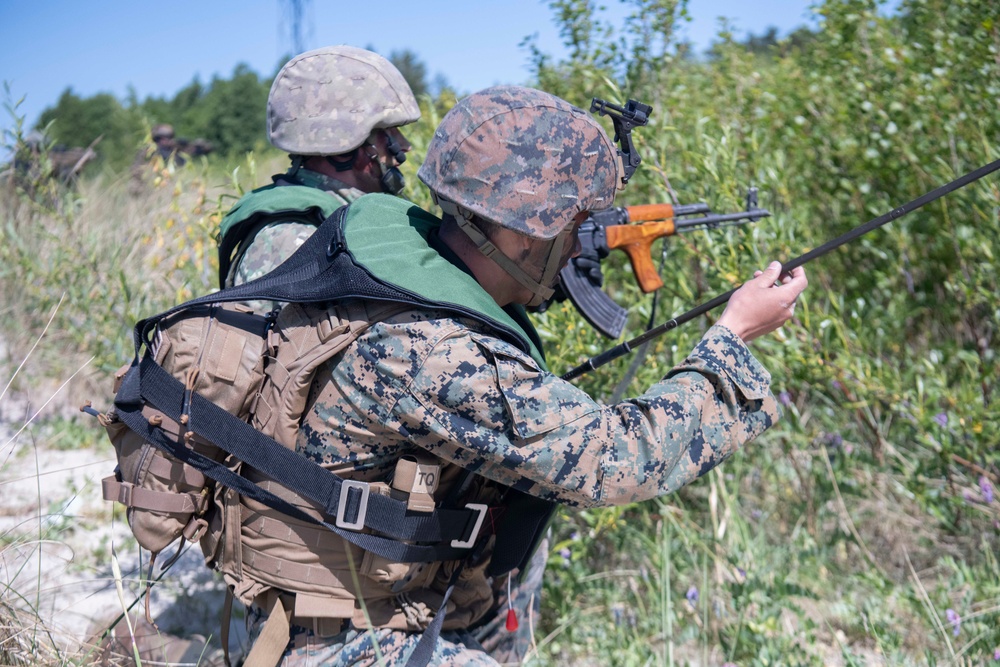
(524, 160)
(521, 158)
(328, 101)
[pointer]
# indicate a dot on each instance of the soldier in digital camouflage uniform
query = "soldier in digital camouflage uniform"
(515, 171)
(337, 111)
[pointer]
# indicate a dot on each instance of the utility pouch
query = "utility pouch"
(216, 351)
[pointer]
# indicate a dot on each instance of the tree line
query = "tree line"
(228, 112)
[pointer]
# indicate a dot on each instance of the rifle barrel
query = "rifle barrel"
(718, 218)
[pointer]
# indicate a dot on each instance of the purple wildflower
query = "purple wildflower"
(785, 398)
(942, 419)
(986, 488)
(692, 595)
(566, 556)
(955, 620)
(574, 536)
(835, 384)
(996, 654)
(756, 514)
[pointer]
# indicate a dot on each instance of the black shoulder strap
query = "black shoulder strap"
(319, 271)
(148, 383)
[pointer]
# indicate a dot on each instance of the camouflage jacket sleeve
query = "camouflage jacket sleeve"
(272, 245)
(482, 404)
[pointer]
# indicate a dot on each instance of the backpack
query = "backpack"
(218, 352)
(220, 391)
(225, 354)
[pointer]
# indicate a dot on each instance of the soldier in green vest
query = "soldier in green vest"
(337, 112)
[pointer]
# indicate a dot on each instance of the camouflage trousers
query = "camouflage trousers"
(489, 645)
(364, 648)
(511, 648)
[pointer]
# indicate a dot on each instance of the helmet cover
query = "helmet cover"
(329, 100)
(523, 159)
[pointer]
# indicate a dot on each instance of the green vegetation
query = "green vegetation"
(228, 113)
(863, 528)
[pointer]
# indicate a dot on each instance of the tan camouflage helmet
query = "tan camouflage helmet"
(523, 159)
(328, 101)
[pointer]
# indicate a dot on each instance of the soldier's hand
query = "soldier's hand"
(765, 303)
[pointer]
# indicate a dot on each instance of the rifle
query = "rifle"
(581, 279)
(859, 231)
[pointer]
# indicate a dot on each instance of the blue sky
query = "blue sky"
(159, 47)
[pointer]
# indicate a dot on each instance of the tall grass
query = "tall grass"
(79, 264)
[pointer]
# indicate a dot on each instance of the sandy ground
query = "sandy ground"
(57, 536)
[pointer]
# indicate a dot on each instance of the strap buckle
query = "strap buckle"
(195, 529)
(465, 544)
(345, 489)
(124, 495)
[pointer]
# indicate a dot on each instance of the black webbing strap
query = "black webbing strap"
(385, 547)
(154, 385)
(292, 470)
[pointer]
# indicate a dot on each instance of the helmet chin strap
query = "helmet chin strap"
(540, 289)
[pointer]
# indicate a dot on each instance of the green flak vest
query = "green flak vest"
(271, 203)
(392, 239)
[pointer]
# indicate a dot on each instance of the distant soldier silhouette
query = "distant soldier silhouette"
(166, 145)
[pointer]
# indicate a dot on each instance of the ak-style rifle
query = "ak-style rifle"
(633, 230)
(859, 231)
(635, 114)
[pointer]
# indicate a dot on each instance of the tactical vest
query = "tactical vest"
(259, 208)
(370, 551)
